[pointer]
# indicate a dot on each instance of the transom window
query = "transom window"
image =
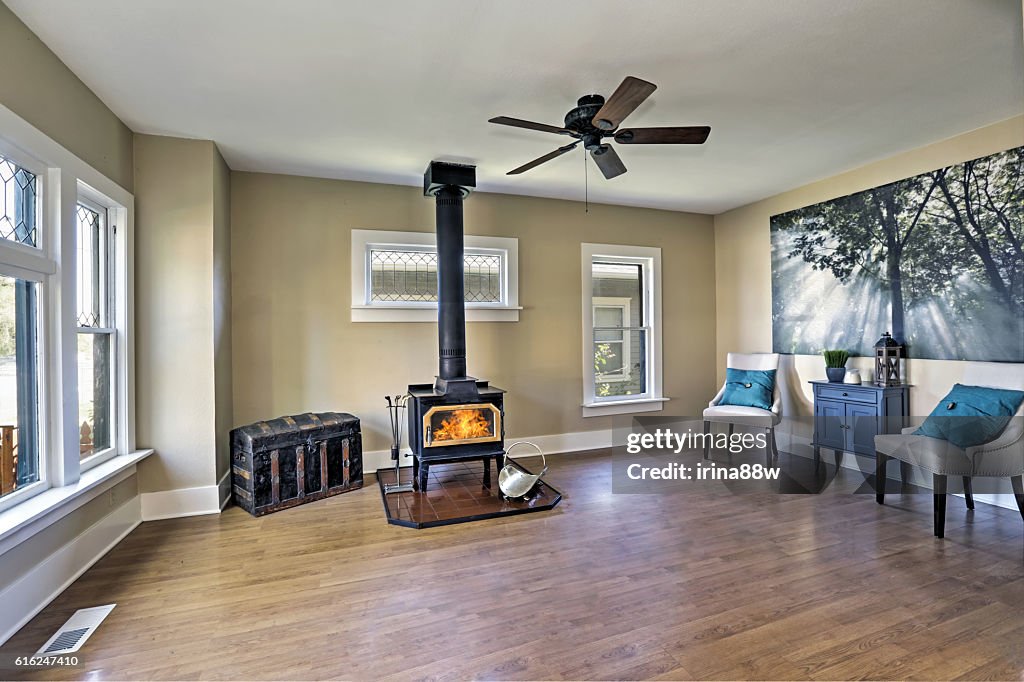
(394, 277)
(407, 275)
(18, 222)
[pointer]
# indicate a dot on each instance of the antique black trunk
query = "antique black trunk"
(288, 461)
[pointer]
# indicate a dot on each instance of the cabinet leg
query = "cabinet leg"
(707, 440)
(904, 473)
(939, 488)
(880, 462)
(817, 458)
(968, 492)
(415, 472)
(487, 472)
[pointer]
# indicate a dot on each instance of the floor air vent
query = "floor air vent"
(73, 634)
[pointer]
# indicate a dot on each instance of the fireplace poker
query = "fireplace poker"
(395, 407)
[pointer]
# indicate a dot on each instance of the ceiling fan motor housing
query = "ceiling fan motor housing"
(579, 120)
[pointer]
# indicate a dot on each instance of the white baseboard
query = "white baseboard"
(551, 445)
(27, 596)
(172, 504)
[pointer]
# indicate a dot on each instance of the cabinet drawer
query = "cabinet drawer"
(850, 394)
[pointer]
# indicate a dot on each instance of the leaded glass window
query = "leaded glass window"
(410, 276)
(18, 222)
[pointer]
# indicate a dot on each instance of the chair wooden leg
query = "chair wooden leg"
(1018, 492)
(880, 461)
(707, 440)
(768, 447)
(775, 444)
(939, 491)
(968, 492)
(732, 430)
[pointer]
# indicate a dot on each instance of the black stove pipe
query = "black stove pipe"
(451, 309)
(450, 184)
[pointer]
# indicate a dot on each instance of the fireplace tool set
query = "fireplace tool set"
(395, 406)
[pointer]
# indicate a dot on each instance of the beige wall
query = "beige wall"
(295, 349)
(222, 310)
(743, 263)
(176, 309)
(36, 85)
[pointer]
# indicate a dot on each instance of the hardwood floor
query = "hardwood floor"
(682, 586)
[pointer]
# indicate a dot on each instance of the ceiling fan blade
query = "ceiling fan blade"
(677, 135)
(543, 159)
(628, 96)
(529, 125)
(608, 161)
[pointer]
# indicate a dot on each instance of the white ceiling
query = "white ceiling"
(795, 90)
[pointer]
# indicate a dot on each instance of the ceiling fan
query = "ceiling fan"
(594, 119)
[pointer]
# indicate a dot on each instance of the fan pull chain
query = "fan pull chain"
(586, 184)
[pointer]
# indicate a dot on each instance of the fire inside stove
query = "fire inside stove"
(457, 424)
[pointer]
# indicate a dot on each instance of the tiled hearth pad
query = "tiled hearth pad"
(456, 495)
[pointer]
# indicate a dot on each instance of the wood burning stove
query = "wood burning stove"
(458, 417)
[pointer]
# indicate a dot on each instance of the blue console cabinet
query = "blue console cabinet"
(847, 417)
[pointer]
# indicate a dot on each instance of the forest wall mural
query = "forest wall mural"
(937, 259)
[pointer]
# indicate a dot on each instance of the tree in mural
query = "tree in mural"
(982, 199)
(872, 232)
(951, 240)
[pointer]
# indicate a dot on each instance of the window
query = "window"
(19, 384)
(96, 334)
(410, 276)
(19, 330)
(622, 329)
(65, 332)
(394, 277)
(613, 349)
(18, 223)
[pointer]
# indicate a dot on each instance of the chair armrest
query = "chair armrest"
(718, 396)
(777, 401)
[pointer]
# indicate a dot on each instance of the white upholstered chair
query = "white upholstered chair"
(748, 416)
(1002, 457)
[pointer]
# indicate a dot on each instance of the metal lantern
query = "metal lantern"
(888, 357)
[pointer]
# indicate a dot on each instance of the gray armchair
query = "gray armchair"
(1002, 457)
(747, 416)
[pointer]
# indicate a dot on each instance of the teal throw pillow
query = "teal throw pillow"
(971, 415)
(749, 388)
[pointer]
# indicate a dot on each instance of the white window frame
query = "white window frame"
(623, 304)
(64, 180)
(111, 213)
(365, 310)
(650, 258)
(35, 264)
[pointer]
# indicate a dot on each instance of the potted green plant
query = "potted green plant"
(835, 364)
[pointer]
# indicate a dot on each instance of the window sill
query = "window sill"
(429, 314)
(612, 407)
(23, 521)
